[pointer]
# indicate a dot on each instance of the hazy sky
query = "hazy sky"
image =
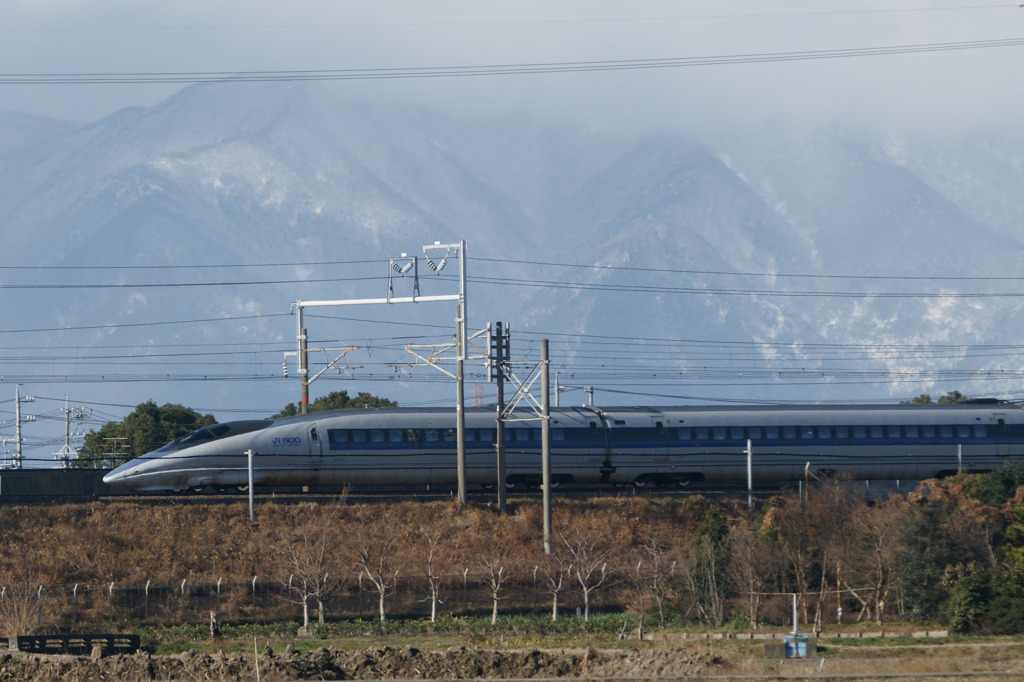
(949, 90)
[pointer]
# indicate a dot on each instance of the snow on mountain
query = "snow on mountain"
(704, 239)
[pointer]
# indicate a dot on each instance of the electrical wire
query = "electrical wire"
(523, 68)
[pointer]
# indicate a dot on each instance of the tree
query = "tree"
(147, 428)
(496, 562)
(338, 400)
(308, 567)
(926, 399)
(374, 541)
(656, 569)
(434, 565)
(554, 568)
(589, 563)
(753, 565)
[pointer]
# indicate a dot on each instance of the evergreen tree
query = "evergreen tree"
(338, 400)
(147, 428)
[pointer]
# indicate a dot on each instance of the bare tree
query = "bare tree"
(433, 565)
(374, 540)
(752, 566)
(656, 569)
(701, 569)
(554, 569)
(308, 567)
(589, 563)
(497, 564)
(873, 557)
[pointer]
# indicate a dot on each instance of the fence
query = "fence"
(264, 599)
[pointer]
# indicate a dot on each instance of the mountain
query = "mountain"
(767, 263)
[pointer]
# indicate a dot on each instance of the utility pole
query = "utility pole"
(500, 355)
(545, 439)
(65, 454)
(18, 419)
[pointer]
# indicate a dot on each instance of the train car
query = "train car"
(589, 445)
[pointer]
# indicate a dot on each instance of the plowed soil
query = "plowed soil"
(371, 664)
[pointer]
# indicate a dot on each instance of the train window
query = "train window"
(928, 431)
(963, 432)
(358, 436)
(558, 434)
(945, 431)
(789, 432)
(754, 433)
(860, 432)
(825, 432)
(536, 435)
(521, 435)
(313, 434)
(911, 431)
(377, 435)
(771, 432)
(702, 433)
(337, 436)
(719, 432)
(892, 431)
(842, 432)
(486, 435)
(736, 433)
(430, 436)
(980, 431)
(875, 431)
(450, 435)
(685, 434)
(394, 436)
(807, 432)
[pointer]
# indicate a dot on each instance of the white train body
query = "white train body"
(620, 445)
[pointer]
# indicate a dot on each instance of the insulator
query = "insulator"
(402, 269)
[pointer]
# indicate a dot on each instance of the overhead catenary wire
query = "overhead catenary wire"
(521, 68)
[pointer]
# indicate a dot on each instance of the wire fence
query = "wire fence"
(265, 599)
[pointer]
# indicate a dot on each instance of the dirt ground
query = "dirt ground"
(473, 663)
(369, 664)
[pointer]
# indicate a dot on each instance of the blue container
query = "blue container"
(796, 646)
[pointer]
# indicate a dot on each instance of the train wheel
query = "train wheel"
(682, 483)
(488, 486)
(639, 483)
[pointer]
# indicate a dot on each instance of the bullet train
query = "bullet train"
(668, 446)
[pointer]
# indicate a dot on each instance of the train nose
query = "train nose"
(121, 476)
(134, 475)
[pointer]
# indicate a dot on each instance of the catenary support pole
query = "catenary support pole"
(304, 370)
(499, 351)
(460, 407)
(750, 475)
(252, 501)
(545, 431)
